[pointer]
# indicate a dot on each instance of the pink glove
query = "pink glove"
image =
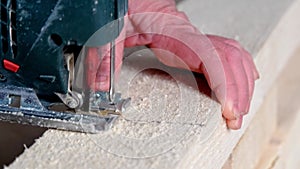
(228, 67)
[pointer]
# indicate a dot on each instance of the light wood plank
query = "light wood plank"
(157, 145)
(250, 148)
(283, 149)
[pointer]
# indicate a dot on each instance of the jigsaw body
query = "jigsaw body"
(42, 45)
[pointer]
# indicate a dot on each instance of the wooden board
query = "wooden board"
(283, 148)
(249, 22)
(250, 148)
(163, 140)
(274, 143)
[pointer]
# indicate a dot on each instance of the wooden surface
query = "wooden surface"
(289, 112)
(272, 139)
(249, 22)
(282, 150)
(166, 138)
(250, 148)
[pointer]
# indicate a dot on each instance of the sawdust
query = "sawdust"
(166, 108)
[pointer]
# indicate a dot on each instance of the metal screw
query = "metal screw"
(2, 78)
(72, 103)
(72, 42)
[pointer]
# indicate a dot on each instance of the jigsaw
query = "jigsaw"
(42, 73)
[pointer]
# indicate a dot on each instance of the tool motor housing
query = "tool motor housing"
(35, 35)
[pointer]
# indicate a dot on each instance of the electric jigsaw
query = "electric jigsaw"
(43, 72)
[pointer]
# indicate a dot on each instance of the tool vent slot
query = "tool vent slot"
(8, 27)
(14, 100)
(4, 27)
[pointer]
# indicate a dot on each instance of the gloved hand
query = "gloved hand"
(228, 68)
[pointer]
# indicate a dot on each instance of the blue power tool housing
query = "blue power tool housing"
(35, 36)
